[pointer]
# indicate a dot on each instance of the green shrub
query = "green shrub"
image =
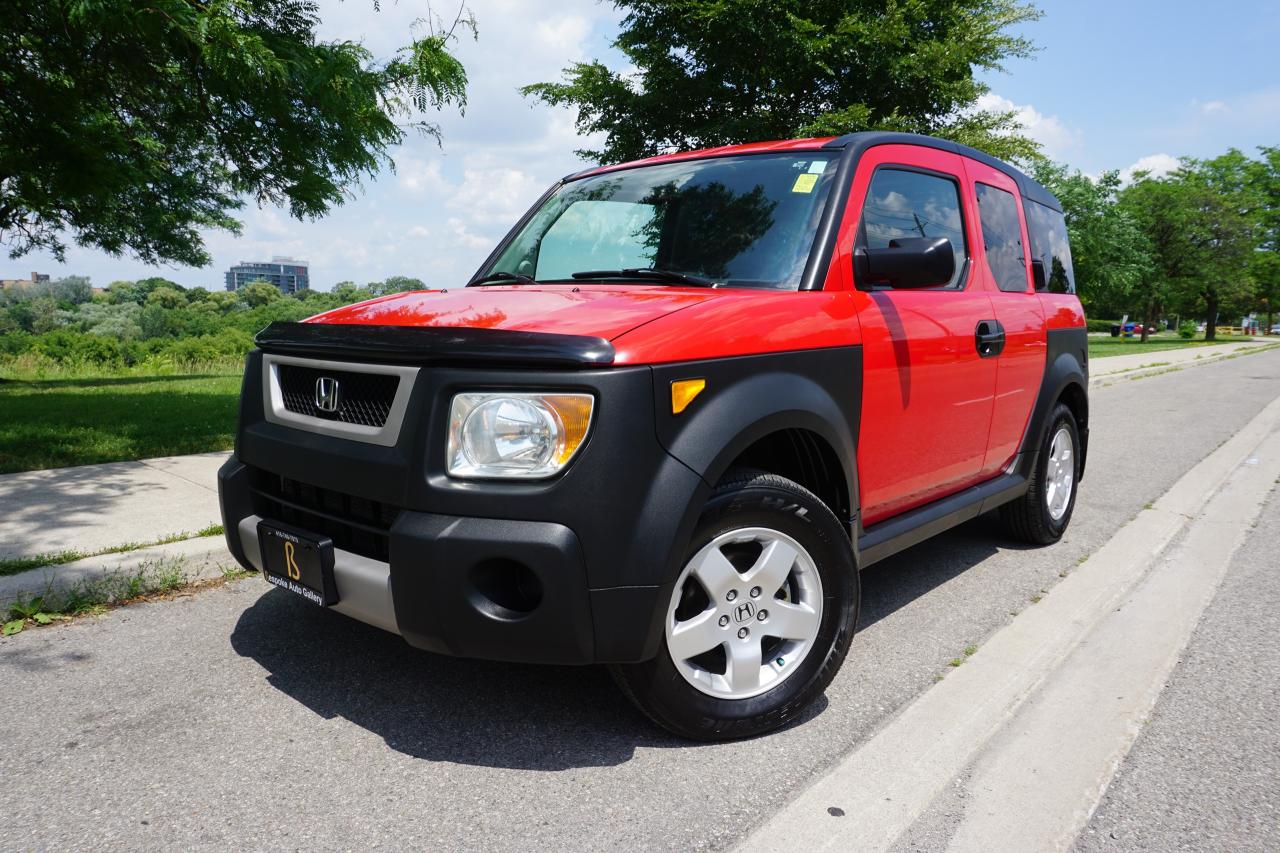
(1187, 329)
(1100, 325)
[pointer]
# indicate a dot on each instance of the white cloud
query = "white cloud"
(417, 175)
(1057, 138)
(1211, 107)
(1156, 165)
(418, 231)
(466, 237)
(495, 196)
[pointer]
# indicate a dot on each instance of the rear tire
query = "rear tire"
(767, 556)
(1041, 516)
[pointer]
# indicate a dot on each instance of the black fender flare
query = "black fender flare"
(1066, 365)
(749, 398)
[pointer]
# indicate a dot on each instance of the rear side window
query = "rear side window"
(1002, 236)
(1048, 232)
(914, 204)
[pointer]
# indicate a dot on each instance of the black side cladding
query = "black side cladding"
(430, 345)
(1066, 365)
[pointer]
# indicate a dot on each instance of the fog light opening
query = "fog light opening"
(505, 589)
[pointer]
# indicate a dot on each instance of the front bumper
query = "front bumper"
(472, 587)
(569, 570)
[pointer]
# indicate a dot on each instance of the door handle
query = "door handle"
(989, 338)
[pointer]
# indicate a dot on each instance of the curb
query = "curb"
(982, 709)
(201, 558)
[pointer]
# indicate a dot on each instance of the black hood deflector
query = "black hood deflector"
(435, 345)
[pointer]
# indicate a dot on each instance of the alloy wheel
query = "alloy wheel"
(744, 613)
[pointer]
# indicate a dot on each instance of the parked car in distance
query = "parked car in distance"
(672, 416)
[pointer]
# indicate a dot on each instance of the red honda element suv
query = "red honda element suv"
(672, 416)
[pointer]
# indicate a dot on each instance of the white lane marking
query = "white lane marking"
(885, 784)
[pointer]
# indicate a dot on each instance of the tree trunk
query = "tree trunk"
(1211, 324)
(1146, 321)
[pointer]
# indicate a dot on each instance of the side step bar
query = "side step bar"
(896, 534)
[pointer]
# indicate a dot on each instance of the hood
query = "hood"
(604, 311)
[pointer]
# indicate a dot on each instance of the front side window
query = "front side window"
(1048, 232)
(1002, 237)
(746, 221)
(903, 203)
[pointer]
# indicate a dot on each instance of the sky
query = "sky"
(1125, 84)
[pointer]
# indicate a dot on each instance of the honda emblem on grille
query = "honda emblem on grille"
(327, 394)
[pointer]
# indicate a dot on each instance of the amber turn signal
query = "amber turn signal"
(683, 391)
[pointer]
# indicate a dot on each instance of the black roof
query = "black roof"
(1031, 188)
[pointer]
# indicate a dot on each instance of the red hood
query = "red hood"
(600, 311)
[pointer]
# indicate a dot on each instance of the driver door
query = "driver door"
(927, 393)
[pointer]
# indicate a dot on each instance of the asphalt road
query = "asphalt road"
(1204, 774)
(247, 717)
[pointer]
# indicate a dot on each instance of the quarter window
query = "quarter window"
(902, 204)
(1002, 238)
(1048, 232)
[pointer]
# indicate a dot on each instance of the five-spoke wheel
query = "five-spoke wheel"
(1042, 514)
(760, 617)
(746, 613)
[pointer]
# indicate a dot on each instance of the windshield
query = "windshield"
(746, 221)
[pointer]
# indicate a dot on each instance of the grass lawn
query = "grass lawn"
(53, 423)
(1103, 347)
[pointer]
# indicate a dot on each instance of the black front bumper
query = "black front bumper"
(568, 570)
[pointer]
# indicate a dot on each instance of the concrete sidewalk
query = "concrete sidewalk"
(1103, 370)
(91, 507)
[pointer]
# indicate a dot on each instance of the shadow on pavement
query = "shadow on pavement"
(896, 582)
(46, 505)
(516, 716)
(440, 708)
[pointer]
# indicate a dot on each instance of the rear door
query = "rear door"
(927, 394)
(1002, 269)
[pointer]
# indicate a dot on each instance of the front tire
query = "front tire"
(1041, 515)
(760, 618)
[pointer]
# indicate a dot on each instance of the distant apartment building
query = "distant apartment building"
(36, 278)
(288, 274)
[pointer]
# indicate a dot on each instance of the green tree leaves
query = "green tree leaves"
(714, 72)
(130, 125)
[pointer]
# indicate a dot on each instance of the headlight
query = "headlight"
(516, 435)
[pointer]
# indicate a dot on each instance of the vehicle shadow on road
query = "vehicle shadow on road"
(439, 708)
(518, 716)
(901, 579)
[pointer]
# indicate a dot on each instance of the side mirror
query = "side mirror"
(1037, 274)
(907, 262)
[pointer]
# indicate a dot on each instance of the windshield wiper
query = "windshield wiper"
(649, 272)
(500, 277)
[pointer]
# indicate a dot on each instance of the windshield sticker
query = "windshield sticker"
(817, 167)
(804, 183)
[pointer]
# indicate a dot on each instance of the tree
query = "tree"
(395, 284)
(166, 297)
(1109, 251)
(73, 288)
(347, 292)
(1264, 266)
(223, 300)
(133, 124)
(713, 72)
(258, 293)
(1202, 221)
